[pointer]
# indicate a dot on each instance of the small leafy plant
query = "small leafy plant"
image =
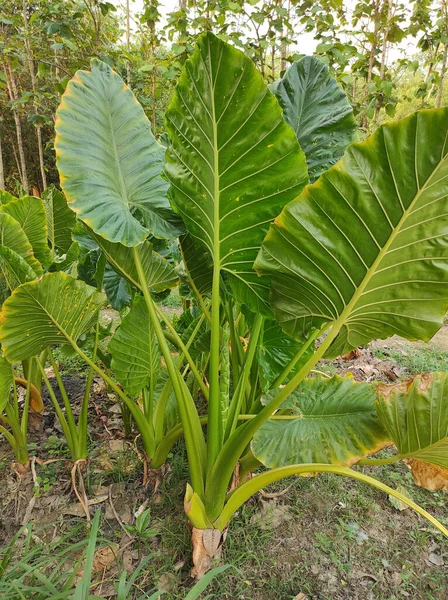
(281, 272)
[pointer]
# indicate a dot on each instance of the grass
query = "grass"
(415, 358)
(341, 540)
(173, 301)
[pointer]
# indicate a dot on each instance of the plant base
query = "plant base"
(20, 469)
(207, 547)
(154, 478)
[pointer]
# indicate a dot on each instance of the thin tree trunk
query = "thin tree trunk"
(364, 122)
(384, 52)
(284, 51)
(152, 28)
(41, 157)
(442, 76)
(13, 95)
(16, 158)
(2, 170)
(128, 42)
(273, 61)
(29, 55)
(444, 12)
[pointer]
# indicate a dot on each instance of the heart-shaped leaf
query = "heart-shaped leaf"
(55, 309)
(12, 236)
(319, 112)
(109, 161)
(331, 421)
(60, 220)
(134, 349)
(29, 212)
(233, 162)
(365, 248)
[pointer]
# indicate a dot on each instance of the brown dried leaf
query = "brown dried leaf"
(430, 477)
(207, 545)
(104, 557)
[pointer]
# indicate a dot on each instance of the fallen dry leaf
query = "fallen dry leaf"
(166, 582)
(356, 353)
(127, 560)
(430, 477)
(435, 559)
(116, 445)
(104, 557)
(49, 372)
(396, 502)
(76, 510)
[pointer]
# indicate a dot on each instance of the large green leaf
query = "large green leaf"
(365, 248)
(52, 310)
(233, 163)
(330, 421)
(275, 351)
(14, 268)
(116, 288)
(160, 275)
(198, 263)
(109, 161)
(416, 416)
(6, 382)
(29, 212)
(6, 197)
(12, 236)
(319, 112)
(60, 220)
(134, 349)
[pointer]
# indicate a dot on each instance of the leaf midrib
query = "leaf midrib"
(124, 193)
(305, 417)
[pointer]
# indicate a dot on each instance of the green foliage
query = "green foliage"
(213, 162)
(331, 421)
(54, 310)
(349, 255)
(319, 112)
(386, 278)
(114, 147)
(413, 414)
(134, 350)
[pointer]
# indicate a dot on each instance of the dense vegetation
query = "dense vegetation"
(296, 220)
(390, 57)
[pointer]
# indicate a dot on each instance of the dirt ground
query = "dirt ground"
(318, 538)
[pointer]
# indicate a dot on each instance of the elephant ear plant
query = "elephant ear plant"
(26, 253)
(277, 266)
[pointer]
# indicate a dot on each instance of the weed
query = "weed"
(415, 358)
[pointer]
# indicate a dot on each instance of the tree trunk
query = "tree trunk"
(13, 95)
(29, 56)
(2, 170)
(376, 11)
(444, 12)
(128, 42)
(384, 52)
(16, 158)
(152, 29)
(284, 51)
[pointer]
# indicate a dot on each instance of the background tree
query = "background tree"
(365, 45)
